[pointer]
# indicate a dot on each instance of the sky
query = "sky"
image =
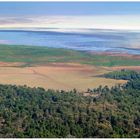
(104, 15)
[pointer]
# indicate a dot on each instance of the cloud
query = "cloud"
(103, 22)
(9, 20)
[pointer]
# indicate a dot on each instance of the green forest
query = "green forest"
(37, 113)
(123, 74)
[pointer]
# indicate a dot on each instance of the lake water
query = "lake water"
(94, 40)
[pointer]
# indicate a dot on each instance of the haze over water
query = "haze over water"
(93, 26)
(86, 39)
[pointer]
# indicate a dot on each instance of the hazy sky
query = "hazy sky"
(107, 15)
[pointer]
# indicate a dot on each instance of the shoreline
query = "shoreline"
(92, 40)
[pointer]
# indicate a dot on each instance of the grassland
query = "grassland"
(32, 55)
(57, 76)
(59, 68)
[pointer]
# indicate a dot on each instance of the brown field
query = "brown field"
(56, 76)
(135, 68)
(125, 55)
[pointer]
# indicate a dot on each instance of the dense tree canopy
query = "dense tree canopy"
(123, 74)
(35, 112)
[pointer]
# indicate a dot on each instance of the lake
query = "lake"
(90, 40)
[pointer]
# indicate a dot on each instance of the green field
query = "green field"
(43, 55)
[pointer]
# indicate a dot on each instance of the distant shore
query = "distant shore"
(113, 41)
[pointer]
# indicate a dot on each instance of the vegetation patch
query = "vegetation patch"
(32, 55)
(123, 74)
(38, 113)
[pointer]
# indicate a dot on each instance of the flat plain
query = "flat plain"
(57, 76)
(60, 69)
